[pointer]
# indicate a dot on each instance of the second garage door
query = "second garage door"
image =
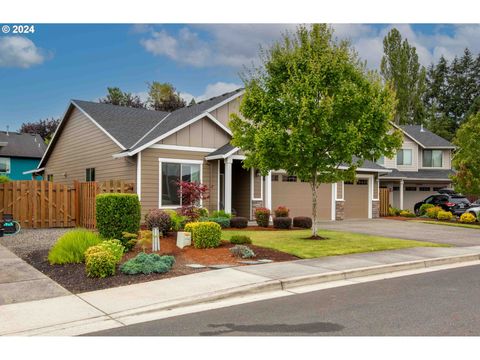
(356, 199)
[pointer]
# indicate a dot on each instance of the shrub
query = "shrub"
(467, 218)
(128, 240)
(115, 247)
(282, 222)
(262, 216)
(202, 212)
(223, 222)
(158, 218)
(281, 211)
(240, 239)
(423, 209)
(242, 251)
(145, 239)
(191, 194)
(238, 222)
(177, 221)
(147, 264)
(444, 215)
(393, 211)
(117, 213)
(204, 234)
(432, 212)
(4, 179)
(99, 262)
(71, 246)
(302, 222)
(407, 213)
(221, 213)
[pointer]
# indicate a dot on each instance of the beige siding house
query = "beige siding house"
(155, 149)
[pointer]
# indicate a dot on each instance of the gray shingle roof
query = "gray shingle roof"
(225, 149)
(442, 174)
(366, 164)
(425, 137)
(22, 145)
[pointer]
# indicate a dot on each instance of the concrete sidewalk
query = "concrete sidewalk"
(115, 307)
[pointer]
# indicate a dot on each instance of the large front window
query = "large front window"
(432, 158)
(171, 174)
(404, 157)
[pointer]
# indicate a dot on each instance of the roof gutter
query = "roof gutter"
(34, 171)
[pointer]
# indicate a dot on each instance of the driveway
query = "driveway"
(411, 230)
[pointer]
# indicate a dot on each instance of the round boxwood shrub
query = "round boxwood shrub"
(282, 222)
(444, 215)
(302, 222)
(281, 211)
(240, 239)
(262, 216)
(238, 222)
(432, 212)
(114, 246)
(99, 262)
(204, 234)
(147, 264)
(467, 218)
(158, 218)
(117, 213)
(423, 209)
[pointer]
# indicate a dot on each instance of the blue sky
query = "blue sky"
(41, 72)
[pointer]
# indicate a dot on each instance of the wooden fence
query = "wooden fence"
(43, 204)
(384, 201)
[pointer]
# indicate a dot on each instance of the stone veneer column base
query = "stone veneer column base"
(375, 209)
(339, 210)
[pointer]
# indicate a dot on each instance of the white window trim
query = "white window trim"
(377, 184)
(175, 161)
(371, 179)
(252, 190)
(411, 157)
(9, 164)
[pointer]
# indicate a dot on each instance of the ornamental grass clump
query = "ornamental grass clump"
(70, 247)
(147, 264)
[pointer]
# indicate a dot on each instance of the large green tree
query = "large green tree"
(467, 158)
(400, 67)
(164, 97)
(312, 109)
(116, 96)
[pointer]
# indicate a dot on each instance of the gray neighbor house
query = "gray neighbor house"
(153, 149)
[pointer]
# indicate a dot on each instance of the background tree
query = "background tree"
(164, 97)
(116, 96)
(311, 108)
(467, 158)
(44, 127)
(400, 66)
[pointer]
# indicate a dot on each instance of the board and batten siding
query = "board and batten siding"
(202, 133)
(223, 113)
(83, 145)
(150, 170)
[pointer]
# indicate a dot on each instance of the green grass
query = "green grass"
(337, 243)
(469, 226)
(71, 246)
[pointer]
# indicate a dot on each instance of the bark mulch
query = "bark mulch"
(73, 278)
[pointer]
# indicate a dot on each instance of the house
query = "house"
(19, 153)
(153, 149)
(420, 168)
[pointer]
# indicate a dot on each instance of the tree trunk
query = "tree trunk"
(313, 184)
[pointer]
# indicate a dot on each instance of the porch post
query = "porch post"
(228, 185)
(401, 194)
(268, 191)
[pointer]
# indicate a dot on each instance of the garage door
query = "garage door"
(356, 199)
(297, 196)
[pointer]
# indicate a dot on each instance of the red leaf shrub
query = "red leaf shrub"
(158, 218)
(282, 211)
(191, 193)
(262, 216)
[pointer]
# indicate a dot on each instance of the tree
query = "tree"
(312, 109)
(191, 193)
(192, 102)
(164, 97)
(116, 96)
(467, 158)
(400, 66)
(43, 127)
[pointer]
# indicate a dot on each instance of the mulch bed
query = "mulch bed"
(73, 278)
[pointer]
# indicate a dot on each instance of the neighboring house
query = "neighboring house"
(420, 168)
(153, 149)
(19, 153)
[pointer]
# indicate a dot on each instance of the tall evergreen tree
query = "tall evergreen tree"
(401, 68)
(116, 96)
(164, 97)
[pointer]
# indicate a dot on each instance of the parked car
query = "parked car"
(474, 208)
(455, 203)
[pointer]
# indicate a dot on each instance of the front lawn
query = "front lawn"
(469, 226)
(338, 242)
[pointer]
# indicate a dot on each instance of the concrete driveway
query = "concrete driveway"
(411, 230)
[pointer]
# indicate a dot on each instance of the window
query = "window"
(171, 174)
(410, 188)
(275, 177)
(289, 178)
(381, 160)
(396, 188)
(50, 177)
(362, 182)
(432, 158)
(5, 165)
(424, 188)
(90, 174)
(404, 157)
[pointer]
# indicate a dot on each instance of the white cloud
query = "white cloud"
(211, 90)
(17, 51)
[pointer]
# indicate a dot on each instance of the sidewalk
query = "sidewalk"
(115, 307)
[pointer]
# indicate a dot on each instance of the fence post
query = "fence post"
(76, 187)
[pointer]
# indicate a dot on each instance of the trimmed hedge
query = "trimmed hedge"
(222, 221)
(158, 218)
(302, 222)
(240, 239)
(423, 209)
(282, 222)
(262, 216)
(238, 222)
(204, 234)
(117, 213)
(444, 215)
(432, 212)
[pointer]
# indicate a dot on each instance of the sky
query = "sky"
(41, 71)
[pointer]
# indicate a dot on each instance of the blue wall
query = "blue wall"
(19, 165)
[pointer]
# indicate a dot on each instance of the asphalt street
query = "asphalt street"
(444, 302)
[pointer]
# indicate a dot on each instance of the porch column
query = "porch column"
(268, 191)
(228, 185)
(401, 194)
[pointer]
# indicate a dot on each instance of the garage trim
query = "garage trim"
(371, 179)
